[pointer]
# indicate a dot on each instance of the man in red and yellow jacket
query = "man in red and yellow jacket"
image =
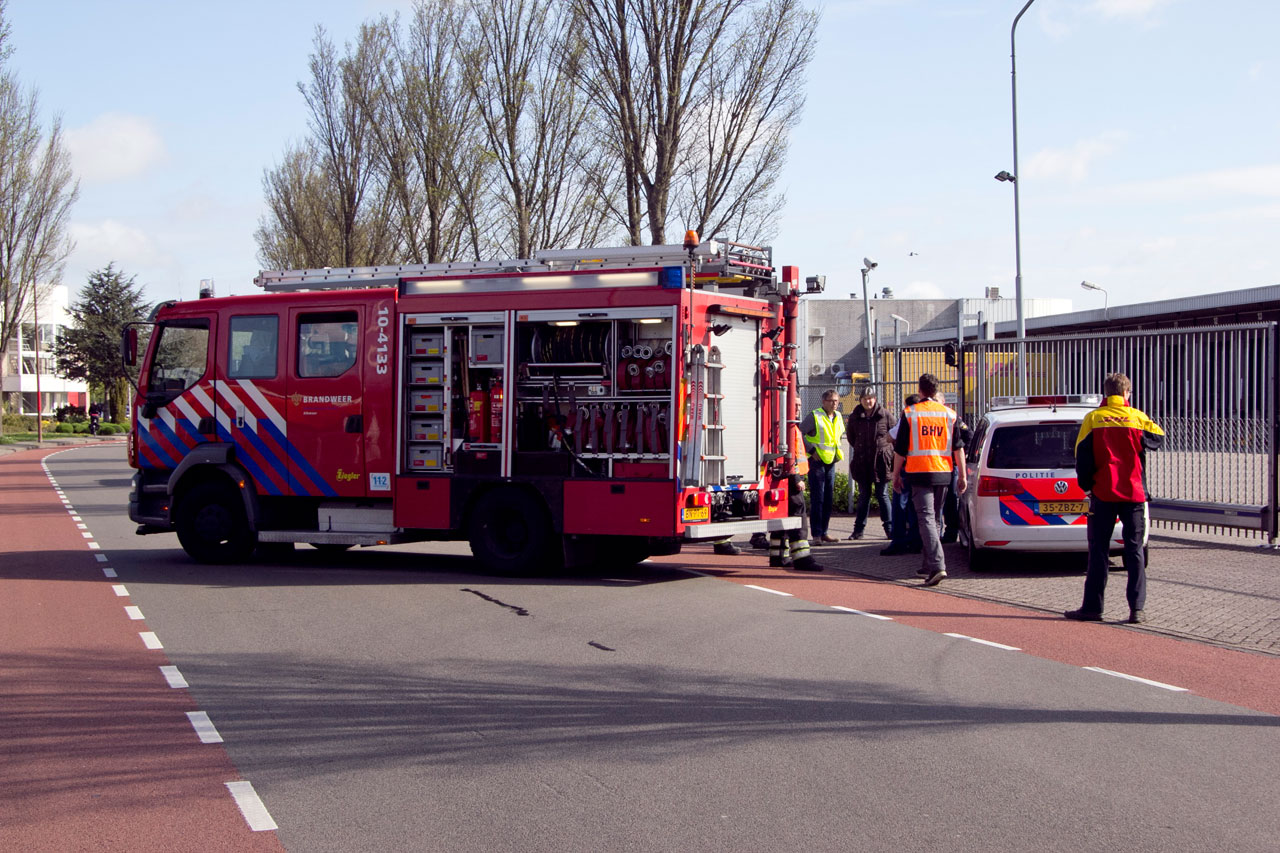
(1111, 468)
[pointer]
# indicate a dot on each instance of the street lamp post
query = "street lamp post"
(1017, 224)
(1088, 285)
(867, 266)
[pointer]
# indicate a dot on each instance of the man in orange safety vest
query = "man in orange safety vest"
(929, 447)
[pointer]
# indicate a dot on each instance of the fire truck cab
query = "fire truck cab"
(579, 405)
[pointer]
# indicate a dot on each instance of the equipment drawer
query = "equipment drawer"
(486, 346)
(429, 428)
(426, 458)
(430, 400)
(427, 343)
(426, 373)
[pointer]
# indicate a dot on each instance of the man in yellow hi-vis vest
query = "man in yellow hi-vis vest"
(823, 431)
(928, 448)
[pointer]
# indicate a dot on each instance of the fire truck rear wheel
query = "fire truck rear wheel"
(510, 532)
(212, 525)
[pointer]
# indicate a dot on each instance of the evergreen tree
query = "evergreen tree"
(90, 349)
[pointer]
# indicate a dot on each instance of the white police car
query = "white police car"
(1022, 493)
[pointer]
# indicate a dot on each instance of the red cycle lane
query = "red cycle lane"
(99, 751)
(1240, 678)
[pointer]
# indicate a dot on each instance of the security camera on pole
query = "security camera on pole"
(867, 266)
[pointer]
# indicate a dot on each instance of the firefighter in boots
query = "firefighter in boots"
(790, 549)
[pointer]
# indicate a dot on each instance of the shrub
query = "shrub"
(80, 427)
(73, 414)
(19, 423)
(65, 429)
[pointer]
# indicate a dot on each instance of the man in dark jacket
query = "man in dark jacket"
(1111, 467)
(871, 462)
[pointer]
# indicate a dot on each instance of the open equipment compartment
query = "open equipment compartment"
(595, 392)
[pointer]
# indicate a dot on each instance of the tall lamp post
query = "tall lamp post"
(1088, 285)
(867, 266)
(1017, 224)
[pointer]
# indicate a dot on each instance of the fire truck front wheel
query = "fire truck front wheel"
(212, 525)
(510, 532)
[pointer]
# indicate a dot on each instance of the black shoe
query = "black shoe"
(726, 549)
(948, 537)
(893, 551)
(1136, 617)
(807, 566)
(1083, 616)
(936, 577)
(923, 572)
(857, 534)
(760, 541)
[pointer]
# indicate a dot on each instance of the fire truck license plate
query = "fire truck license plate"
(1063, 507)
(695, 513)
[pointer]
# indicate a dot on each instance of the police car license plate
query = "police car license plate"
(1063, 507)
(695, 513)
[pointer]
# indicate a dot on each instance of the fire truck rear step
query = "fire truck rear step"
(721, 529)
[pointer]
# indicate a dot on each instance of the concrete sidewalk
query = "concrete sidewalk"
(1215, 589)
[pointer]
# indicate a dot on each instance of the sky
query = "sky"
(1148, 140)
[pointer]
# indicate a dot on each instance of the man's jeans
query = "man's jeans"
(864, 503)
(822, 490)
(1102, 522)
(928, 503)
(906, 530)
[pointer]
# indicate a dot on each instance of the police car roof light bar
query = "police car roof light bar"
(1090, 400)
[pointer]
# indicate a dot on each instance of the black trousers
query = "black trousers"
(1102, 522)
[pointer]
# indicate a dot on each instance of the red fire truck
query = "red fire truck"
(584, 404)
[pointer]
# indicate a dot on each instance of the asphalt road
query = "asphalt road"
(401, 699)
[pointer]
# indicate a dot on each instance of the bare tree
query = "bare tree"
(738, 140)
(524, 70)
(432, 129)
(330, 184)
(37, 191)
(661, 69)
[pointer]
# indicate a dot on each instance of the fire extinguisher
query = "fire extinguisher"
(478, 415)
(495, 410)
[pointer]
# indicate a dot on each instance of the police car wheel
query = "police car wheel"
(212, 526)
(979, 559)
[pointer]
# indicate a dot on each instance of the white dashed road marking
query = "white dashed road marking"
(204, 727)
(134, 612)
(1127, 677)
(255, 813)
(986, 642)
(150, 640)
(173, 676)
(862, 613)
(120, 590)
(766, 589)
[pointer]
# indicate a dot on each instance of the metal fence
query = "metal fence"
(1213, 390)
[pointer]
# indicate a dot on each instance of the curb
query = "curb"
(61, 441)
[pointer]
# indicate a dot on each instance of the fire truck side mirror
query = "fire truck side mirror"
(815, 284)
(129, 346)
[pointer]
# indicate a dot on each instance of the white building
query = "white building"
(22, 362)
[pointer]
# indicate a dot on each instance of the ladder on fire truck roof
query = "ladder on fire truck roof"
(721, 263)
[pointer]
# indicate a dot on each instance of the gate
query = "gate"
(1213, 390)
